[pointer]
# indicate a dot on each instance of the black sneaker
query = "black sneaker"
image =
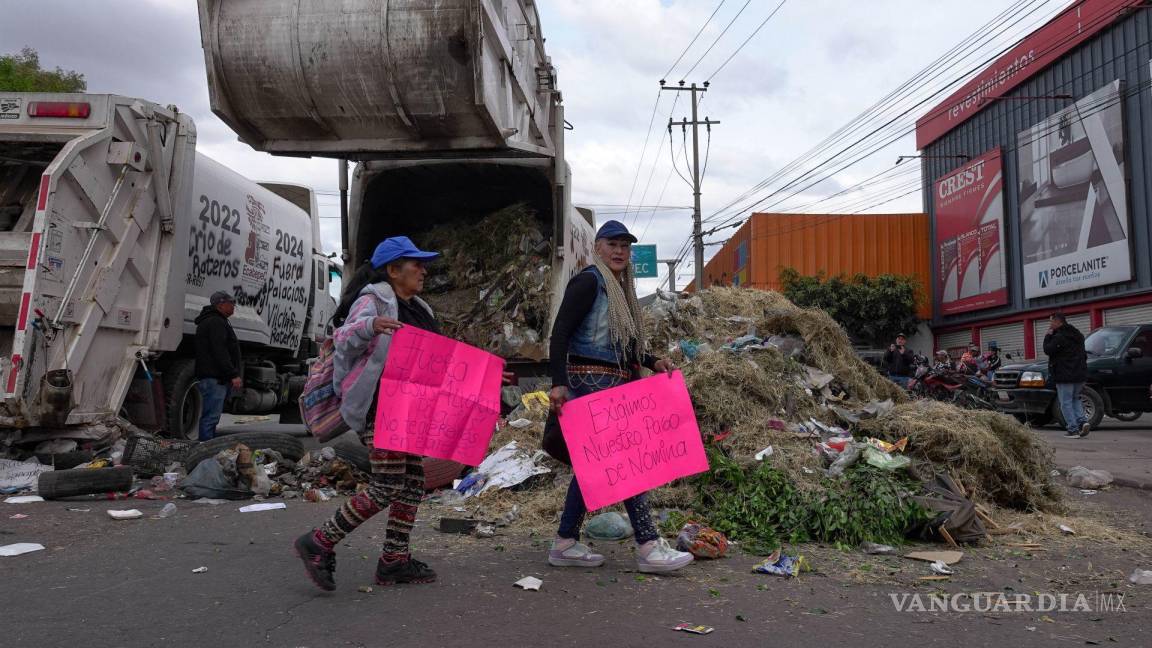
(1085, 429)
(320, 563)
(403, 571)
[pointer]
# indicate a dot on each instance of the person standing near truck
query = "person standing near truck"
(1068, 367)
(598, 343)
(217, 360)
(899, 361)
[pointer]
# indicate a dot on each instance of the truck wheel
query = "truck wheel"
(285, 444)
(69, 483)
(1127, 417)
(182, 400)
(1093, 408)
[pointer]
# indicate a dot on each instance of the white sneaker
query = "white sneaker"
(575, 555)
(658, 557)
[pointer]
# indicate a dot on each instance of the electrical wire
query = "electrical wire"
(698, 33)
(710, 47)
(757, 31)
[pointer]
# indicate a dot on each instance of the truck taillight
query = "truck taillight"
(66, 109)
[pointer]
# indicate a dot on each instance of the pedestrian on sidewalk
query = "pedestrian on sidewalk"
(1068, 366)
(217, 360)
(380, 298)
(899, 361)
(598, 343)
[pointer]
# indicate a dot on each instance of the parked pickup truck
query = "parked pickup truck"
(1119, 375)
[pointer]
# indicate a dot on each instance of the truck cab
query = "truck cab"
(1119, 375)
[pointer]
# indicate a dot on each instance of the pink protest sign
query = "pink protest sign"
(438, 397)
(632, 438)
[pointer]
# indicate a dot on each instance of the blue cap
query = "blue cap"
(614, 230)
(398, 247)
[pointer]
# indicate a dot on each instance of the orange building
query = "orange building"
(828, 244)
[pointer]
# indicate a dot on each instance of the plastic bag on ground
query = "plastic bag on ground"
(849, 456)
(702, 541)
(1141, 577)
(883, 460)
(1081, 477)
(779, 564)
(209, 481)
(608, 526)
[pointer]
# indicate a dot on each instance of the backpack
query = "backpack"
(319, 402)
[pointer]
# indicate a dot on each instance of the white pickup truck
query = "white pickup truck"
(114, 231)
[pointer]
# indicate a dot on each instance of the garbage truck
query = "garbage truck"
(450, 109)
(114, 232)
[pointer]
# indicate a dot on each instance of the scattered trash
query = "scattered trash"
(884, 460)
(874, 549)
(702, 541)
(780, 564)
(520, 423)
(1081, 477)
(1088, 491)
(18, 516)
(364, 589)
(168, 511)
(939, 567)
(608, 526)
(850, 455)
(129, 514)
(20, 548)
(209, 501)
(245, 420)
(934, 578)
(529, 583)
(318, 494)
(16, 476)
(694, 629)
(200, 570)
(504, 468)
(1067, 529)
(24, 499)
(1141, 577)
(457, 525)
(484, 531)
(764, 454)
(265, 506)
(946, 557)
(80, 510)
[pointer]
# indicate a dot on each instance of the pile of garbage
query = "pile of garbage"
(491, 289)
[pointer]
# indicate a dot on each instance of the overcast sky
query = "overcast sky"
(812, 68)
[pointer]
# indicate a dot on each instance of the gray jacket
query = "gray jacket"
(360, 353)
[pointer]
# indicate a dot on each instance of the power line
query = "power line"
(726, 28)
(702, 28)
(757, 31)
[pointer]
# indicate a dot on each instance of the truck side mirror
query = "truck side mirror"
(1135, 352)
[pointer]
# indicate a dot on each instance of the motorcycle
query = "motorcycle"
(950, 386)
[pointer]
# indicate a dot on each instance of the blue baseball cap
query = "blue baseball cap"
(398, 247)
(614, 230)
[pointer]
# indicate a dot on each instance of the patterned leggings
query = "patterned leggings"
(397, 484)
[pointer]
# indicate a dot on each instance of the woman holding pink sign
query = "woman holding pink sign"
(598, 343)
(380, 298)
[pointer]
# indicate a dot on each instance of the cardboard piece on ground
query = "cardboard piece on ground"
(438, 397)
(632, 438)
(266, 506)
(20, 548)
(529, 583)
(946, 557)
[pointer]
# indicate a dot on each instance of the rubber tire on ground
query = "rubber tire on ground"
(179, 381)
(1127, 417)
(438, 473)
(69, 483)
(1097, 406)
(285, 444)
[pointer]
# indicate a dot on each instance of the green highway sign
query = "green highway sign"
(644, 265)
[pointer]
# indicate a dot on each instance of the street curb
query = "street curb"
(1116, 481)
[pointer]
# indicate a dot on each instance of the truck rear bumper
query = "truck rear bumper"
(1023, 401)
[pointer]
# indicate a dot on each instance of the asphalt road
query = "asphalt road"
(1123, 449)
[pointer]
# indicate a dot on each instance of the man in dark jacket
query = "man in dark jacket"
(900, 361)
(1068, 366)
(217, 359)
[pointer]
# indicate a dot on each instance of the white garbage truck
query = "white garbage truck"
(451, 109)
(114, 232)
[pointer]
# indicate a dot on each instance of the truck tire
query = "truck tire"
(69, 483)
(285, 444)
(182, 400)
(65, 460)
(1093, 408)
(438, 473)
(1127, 417)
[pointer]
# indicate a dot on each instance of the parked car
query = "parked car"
(1119, 374)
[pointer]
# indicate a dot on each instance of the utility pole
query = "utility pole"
(671, 273)
(697, 236)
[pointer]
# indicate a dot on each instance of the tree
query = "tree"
(871, 309)
(21, 73)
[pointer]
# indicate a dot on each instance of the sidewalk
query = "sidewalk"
(1123, 449)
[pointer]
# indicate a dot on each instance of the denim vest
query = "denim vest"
(593, 338)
